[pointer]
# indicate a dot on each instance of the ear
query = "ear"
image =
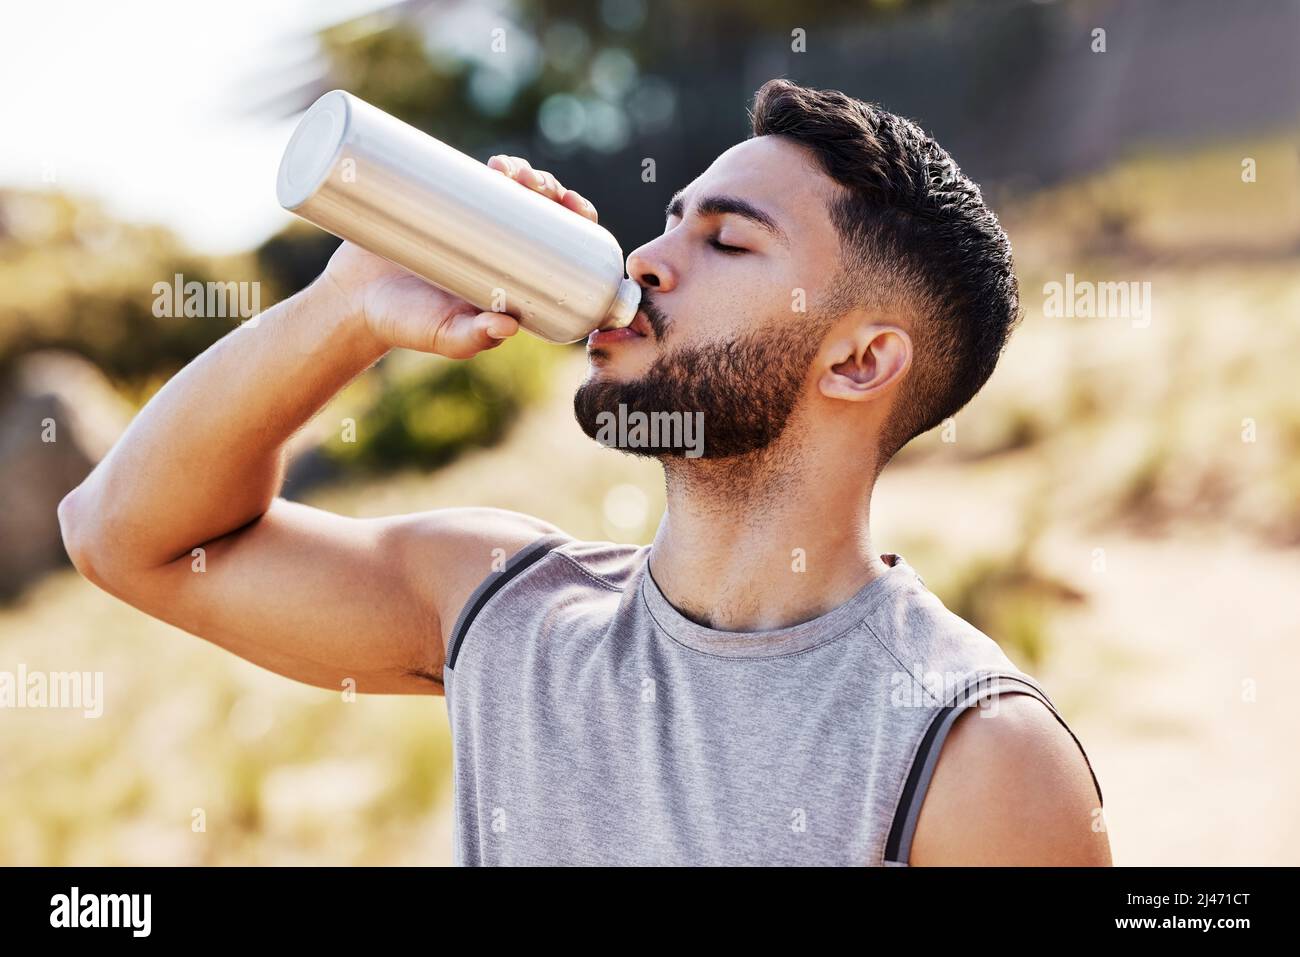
(863, 360)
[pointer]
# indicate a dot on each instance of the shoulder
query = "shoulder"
(446, 553)
(918, 630)
(474, 527)
(609, 565)
(1011, 786)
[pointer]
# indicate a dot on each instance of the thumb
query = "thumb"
(498, 325)
(466, 334)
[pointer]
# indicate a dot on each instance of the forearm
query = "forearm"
(205, 455)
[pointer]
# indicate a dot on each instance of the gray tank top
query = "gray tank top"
(594, 724)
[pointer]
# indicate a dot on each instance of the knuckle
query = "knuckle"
(437, 337)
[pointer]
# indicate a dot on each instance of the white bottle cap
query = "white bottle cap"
(312, 149)
(623, 310)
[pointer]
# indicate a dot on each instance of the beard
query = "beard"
(741, 392)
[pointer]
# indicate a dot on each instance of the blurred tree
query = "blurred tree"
(583, 89)
(72, 277)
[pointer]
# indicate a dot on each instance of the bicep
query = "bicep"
(323, 598)
(314, 596)
(1011, 787)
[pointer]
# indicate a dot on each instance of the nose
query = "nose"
(649, 267)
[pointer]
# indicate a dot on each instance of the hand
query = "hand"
(401, 310)
(518, 169)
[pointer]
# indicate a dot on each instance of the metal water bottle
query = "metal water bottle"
(367, 177)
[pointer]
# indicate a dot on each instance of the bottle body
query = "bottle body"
(369, 178)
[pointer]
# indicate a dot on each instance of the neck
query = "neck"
(765, 540)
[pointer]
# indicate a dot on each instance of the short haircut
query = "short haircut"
(915, 236)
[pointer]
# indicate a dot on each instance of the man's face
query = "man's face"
(730, 332)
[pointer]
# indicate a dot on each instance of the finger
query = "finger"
(497, 326)
(519, 164)
(549, 185)
(540, 180)
(516, 167)
(520, 170)
(465, 333)
(579, 204)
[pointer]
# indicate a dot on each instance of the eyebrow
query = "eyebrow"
(728, 205)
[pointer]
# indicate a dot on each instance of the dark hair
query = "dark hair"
(915, 236)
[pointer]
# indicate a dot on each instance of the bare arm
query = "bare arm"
(1011, 788)
(314, 596)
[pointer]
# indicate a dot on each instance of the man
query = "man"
(757, 686)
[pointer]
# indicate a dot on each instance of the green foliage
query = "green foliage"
(72, 277)
(295, 256)
(427, 418)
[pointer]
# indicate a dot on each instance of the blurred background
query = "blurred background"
(1120, 508)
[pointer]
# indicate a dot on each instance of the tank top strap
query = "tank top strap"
(898, 846)
(514, 566)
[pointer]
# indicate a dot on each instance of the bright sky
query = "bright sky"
(143, 104)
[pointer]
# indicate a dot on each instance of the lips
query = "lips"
(638, 328)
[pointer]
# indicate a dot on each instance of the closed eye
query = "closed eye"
(724, 248)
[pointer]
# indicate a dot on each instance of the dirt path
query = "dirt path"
(1179, 674)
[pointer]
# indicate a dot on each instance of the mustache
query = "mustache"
(658, 321)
